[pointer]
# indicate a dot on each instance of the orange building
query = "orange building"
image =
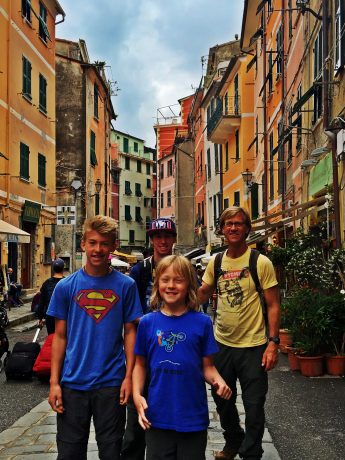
(27, 135)
(175, 189)
(196, 127)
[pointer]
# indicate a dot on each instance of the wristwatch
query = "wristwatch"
(275, 339)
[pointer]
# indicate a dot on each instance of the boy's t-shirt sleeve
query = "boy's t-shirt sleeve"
(210, 345)
(59, 302)
(140, 347)
(132, 304)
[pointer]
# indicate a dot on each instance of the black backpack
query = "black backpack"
(253, 269)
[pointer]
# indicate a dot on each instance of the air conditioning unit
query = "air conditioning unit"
(341, 145)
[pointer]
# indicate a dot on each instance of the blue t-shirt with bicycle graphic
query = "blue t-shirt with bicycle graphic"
(174, 347)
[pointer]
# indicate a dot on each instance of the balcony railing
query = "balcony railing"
(225, 117)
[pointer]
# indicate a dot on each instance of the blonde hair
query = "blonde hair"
(103, 225)
(184, 268)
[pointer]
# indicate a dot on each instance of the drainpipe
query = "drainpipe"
(8, 115)
(283, 165)
(264, 68)
(326, 116)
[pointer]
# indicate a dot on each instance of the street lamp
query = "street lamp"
(76, 185)
(98, 187)
(247, 177)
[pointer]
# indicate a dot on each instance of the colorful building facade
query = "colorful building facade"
(27, 135)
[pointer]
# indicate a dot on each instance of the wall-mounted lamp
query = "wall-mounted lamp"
(248, 178)
(318, 152)
(302, 5)
(98, 187)
(309, 162)
(76, 185)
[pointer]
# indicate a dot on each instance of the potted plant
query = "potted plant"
(310, 328)
(335, 360)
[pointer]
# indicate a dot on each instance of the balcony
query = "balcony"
(224, 120)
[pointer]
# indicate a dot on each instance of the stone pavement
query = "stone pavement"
(32, 437)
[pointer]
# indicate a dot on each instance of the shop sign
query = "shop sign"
(31, 212)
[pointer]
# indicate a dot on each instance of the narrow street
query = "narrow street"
(19, 397)
(306, 416)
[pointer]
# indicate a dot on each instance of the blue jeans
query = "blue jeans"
(243, 364)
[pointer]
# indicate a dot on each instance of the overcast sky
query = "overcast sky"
(154, 49)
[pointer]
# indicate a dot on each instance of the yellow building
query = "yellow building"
(27, 134)
(233, 121)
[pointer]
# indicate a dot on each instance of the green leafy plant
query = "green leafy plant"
(316, 320)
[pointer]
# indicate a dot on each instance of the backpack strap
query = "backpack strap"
(218, 268)
(253, 268)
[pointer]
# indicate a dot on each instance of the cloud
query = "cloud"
(154, 49)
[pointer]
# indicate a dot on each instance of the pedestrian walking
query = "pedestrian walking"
(95, 310)
(174, 346)
(245, 352)
(162, 233)
(47, 290)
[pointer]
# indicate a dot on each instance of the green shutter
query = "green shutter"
(255, 201)
(97, 204)
(43, 94)
(95, 102)
(41, 170)
(93, 157)
(125, 145)
(24, 161)
(26, 78)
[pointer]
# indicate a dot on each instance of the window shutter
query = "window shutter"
(255, 201)
(43, 94)
(24, 161)
(41, 170)
(342, 27)
(93, 157)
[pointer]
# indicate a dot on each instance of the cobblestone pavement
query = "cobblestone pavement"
(32, 437)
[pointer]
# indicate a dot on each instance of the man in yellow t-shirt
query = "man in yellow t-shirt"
(245, 353)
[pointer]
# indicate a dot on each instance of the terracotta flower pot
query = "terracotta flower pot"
(285, 340)
(335, 365)
(311, 366)
(293, 359)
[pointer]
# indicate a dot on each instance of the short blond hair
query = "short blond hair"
(103, 225)
(185, 269)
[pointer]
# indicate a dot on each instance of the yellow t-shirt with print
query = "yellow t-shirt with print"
(239, 318)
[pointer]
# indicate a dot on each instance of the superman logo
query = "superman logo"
(96, 303)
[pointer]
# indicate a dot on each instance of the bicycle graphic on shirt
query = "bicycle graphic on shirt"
(170, 339)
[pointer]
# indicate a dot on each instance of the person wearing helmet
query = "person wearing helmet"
(162, 232)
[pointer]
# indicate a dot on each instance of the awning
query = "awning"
(11, 234)
(118, 263)
(194, 253)
(128, 258)
(197, 260)
(138, 255)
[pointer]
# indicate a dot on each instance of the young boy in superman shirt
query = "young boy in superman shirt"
(95, 310)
